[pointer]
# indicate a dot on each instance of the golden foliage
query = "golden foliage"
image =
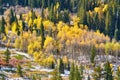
(49, 44)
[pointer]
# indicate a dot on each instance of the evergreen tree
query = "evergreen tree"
(118, 74)
(20, 16)
(42, 35)
(17, 29)
(95, 22)
(52, 14)
(33, 77)
(72, 72)
(33, 15)
(77, 74)
(107, 22)
(2, 25)
(7, 55)
(36, 77)
(68, 68)
(1, 2)
(56, 75)
(52, 65)
(1, 8)
(61, 66)
(25, 2)
(66, 16)
(97, 73)
(19, 70)
(116, 34)
(108, 70)
(88, 77)
(93, 54)
(3, 78)
(24, 27)
(59, 76)
(12, 17)
(82, 12)
(81, 72)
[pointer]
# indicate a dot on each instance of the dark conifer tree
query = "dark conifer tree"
(2, 25)
(7, 55)
(93, 54)
(12, 17)
(61, 66)
(82, 12)
(42, 34)
(72, 71)
(19, 70)
(108, 71)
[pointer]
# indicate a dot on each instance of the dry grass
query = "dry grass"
(45, 78)
(1, 52)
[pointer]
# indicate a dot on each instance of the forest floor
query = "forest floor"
(30, 67)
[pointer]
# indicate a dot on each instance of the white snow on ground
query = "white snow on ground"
(47, 70)
(40, 68)
(66, 73)
(24, 54)
(20, 78)
(7, 68)
(37, 67)
(3, 49)
(20, 53)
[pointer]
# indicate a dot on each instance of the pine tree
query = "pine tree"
(51, 13)
(19, 70)
(36, 77)
(118, 74)
(116, 34)
(61, 66)
(66, 16)
(17, 28)
(56, 75)
(33, 15)
(68, 68)
(43, 4)
(52, 65)
(7, 55)
(107, 22)
(93, 54)
(77, 74)
(1, 2)
(12, 17)
(25, 2)
(42, 35)
(20, 16)
(1, 6)
(108, 70)
(72, 72)
(33, 77)
(89, 77)
(24, 27)
(3, 78)
(2, 25)
(82, 12)
(49, 4)
(81, 72)
(59, 76)
(97, 73)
